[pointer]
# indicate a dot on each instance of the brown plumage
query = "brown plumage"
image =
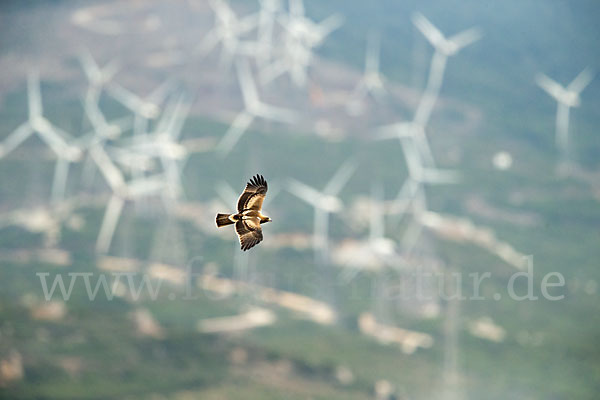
(248, 219)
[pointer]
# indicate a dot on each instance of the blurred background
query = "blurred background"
(411, 148)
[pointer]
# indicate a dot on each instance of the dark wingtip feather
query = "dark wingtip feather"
(257, 180)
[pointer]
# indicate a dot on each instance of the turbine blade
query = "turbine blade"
(90, 67)
(581, 81)
(226, 193)
(304, 192)
(158, 95)
(327, 26)
(405, 198)
(552, 87)
(179, 119)
(465, 38)
(246, 24)
(431, 33)
(17, 137)
(394, 131)
(209, 42)
(439, 176)
(273, 71)
(55, 138)
(275, 113)
(111, 173)
(110, 70)
(274, 190)
(162, 126)
(238, 127)
(127, 98)
(146, 186)
(340, 178)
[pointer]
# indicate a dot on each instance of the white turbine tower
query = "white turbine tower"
(371, 83)
(324, 202)
(254, 108)
(566, 97)
(444, 48)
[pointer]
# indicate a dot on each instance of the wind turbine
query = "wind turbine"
(144, 108)
(121, 192)
(371, 83)
(53, 136)
(96, 76)
(309, 32)
(254, 108)
(100, 133)
(380, 251)
(303, 35)
(163, 144)
(444, 48)
(412, 194)
(566, 97)
(422, 174)
(324, 202)
(295, 58)
(228, 30)
(266, 24)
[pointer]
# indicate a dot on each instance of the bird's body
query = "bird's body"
(248, 219)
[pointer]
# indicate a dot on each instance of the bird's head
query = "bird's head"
(265, 220)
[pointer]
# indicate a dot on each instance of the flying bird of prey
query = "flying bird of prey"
(248, 218)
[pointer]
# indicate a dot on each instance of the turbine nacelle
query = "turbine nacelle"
(149, 110)
(383, 246)
(331, 204)
(446, 46)
(568, 96)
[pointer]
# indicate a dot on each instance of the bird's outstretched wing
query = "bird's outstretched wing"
(249, 232)
(254, 194)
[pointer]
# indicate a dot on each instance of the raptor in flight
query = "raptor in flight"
(248, 218)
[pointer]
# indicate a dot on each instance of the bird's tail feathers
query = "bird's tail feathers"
(223, 220)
